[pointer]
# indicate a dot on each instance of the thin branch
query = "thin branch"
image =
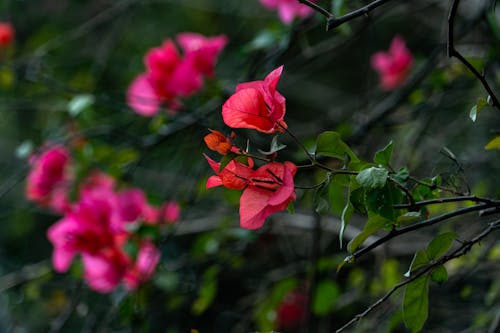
(419, 225)
(404, 189)
(443, 200)
(335, 22)
(317, 8)
(452, 52)
(442, 188)
(462, 250)
(27, 273)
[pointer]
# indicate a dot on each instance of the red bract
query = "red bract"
(288, 9)
(234, 176)
(293, 310)
(47, 180)
(270, 190)
(6, 34)
(393, 66)
(216, 141)
(257, 105)
(170, 76)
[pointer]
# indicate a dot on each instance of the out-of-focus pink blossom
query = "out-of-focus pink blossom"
(288, 9)
(170, 76)
(292, 311)
(6, 34)
(145, 264)
(105, 270)
(394, 65)
(171, 212)
(202, 51)
(47, 180)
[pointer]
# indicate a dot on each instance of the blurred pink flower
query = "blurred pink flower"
(104, 271)
(394, 65)
(292, 311)
(288, 9)
(170, 76)
(145, 264)
(47, 180)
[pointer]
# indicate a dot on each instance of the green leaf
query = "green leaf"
(330, 144)
(493, 144)
(416, 303)
(325, 297)
(440, 245)
(344, 219)
(358, 200)
(321, 196)
(439, 274)
(420, 259)
(79, 103)
(383, 156)
(474, 111)
(225, 160)
(275, 146)
(207, 291)
(381, 202)
(373, 177)
(402, 176)
(373, 224)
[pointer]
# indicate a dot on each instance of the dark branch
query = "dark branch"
(443, 200)
(452, 52)
(462, 250)
(334, 22)
(419, 225)
(317, 8)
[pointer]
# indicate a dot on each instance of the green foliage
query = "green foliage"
(373, 177)
(383, 156)
(416, 303)
(330, 144)
(325, 297)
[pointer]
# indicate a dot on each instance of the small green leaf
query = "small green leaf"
(381, 202)
(420, 259)
(416, 303)
(402, 176)
(330, 144)
(373, 224)
(409, 217)
(383, 156)
(344, 219)
(325, 297)
(440, 245)
(439, 274)
(493, 144)
(207, 291)
(474, 111)
(373, 177)
(225, 160)
(275, 146)
(79, 103)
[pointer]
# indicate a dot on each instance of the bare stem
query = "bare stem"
(335, 22)
(317, 8)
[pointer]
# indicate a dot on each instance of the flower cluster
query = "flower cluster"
(288, 9)
(99, 226)
(170, 76)
(394, 65)
(6, 34)
(270, 188)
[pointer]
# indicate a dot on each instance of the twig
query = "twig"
(335, 22)
(419, 225)
(443, 200)
(452, 52)
(434, 186)
(404, 189)
(27, 273)
(462, 250)
(317, 8)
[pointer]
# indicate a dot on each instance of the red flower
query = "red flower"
(6, 34)
(202, 51)
(234, 176)
(393, 66)
(293, 310)
(270, 190)
(257, 105)
(216, 141)
(145, 264)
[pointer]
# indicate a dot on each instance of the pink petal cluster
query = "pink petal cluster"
(48, 178)
(288, 9)
(257, 105)
(267, 190)
(170, 76)
(99, 225)
(394, 65)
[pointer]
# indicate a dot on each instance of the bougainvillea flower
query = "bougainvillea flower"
(202, 51)
(148, 257)
(216, 141)
(257, 105)
(234, 176)
(394, 65)
(48, 177)
(142, 96)
(271, 189)
(6, 34)
(170, 212)
(186, 80)
(288, 9)
(104, 271)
